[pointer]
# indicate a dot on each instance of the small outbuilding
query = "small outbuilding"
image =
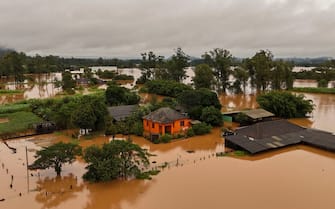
(121, 112)
(165, 121)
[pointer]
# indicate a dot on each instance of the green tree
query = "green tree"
(117, 159)
(116, 95)
(241, 79)
(149, 64)
(67, 82)
(203, 76)
(220, 60)
(285, 104)
(56, 155)
(177, 64)
(12, 64)
(84, 117)
(281, 75)
(212, 116)
(260, 68)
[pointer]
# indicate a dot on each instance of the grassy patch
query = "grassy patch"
(6, 91)
(240, 153)
(18, 122)
(11, 108)
(315, 90)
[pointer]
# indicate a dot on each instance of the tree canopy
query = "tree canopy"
(56, 155)
(117, 159)
(285, 104)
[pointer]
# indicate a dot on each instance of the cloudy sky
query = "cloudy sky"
(126, 28)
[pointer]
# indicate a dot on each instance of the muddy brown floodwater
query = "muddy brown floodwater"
(297, 177)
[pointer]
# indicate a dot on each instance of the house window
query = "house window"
(182, 123)
(147, 123)
(153, 125)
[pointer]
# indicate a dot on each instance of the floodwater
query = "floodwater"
(297, 177)
(38, 86)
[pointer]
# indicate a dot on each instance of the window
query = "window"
(182, 123)
(147, 123)
(153, 125)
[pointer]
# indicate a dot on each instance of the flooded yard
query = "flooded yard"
(295, 177)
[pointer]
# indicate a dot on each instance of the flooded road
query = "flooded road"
(297, 177)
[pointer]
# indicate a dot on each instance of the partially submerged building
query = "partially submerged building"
(254, 115)
(165, 121)
(265, 136)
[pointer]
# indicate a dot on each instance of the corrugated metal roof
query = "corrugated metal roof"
(277, 134)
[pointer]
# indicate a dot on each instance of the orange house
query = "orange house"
(165, 121)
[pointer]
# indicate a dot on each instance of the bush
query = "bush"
(201, 128)
(166, 138)
(190, 132)
(212, 116)
(123, 77)
(10, 108)
(137, 128)
(166, 87)
(285, 104)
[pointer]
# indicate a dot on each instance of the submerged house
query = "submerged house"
(165, 121)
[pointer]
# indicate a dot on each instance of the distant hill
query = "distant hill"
(308, 62)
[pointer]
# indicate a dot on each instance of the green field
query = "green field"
(18, 122)
(10, 108)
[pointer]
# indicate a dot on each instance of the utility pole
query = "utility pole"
(27, 169)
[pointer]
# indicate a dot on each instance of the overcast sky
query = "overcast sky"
(126, 28)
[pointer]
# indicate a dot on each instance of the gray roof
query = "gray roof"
(164, 115)
(258, 113)
(121, 112)
(276, 134)
(253, 114)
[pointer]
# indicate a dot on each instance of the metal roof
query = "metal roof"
(277, 134)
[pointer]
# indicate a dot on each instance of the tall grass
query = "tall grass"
(18, 122)
(11, 108)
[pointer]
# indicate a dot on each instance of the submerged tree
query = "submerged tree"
(56, 155)
(220, 60)
(150, 63)
(203, 77)
(177, 64)
(117, 159)
(285, 104)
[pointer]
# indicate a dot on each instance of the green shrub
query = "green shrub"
(10, 108)
(166, 138)
(166, 87)
(190, 132)
(285, 104)
(201, 128)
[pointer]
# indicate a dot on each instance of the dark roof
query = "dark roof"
(277, 134)
(121, 112)
(164, 115)
(268, 129)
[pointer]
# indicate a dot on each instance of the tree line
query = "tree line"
(220, 71)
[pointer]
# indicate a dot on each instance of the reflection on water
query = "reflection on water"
(51, 192)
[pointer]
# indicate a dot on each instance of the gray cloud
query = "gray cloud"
(125, 28)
